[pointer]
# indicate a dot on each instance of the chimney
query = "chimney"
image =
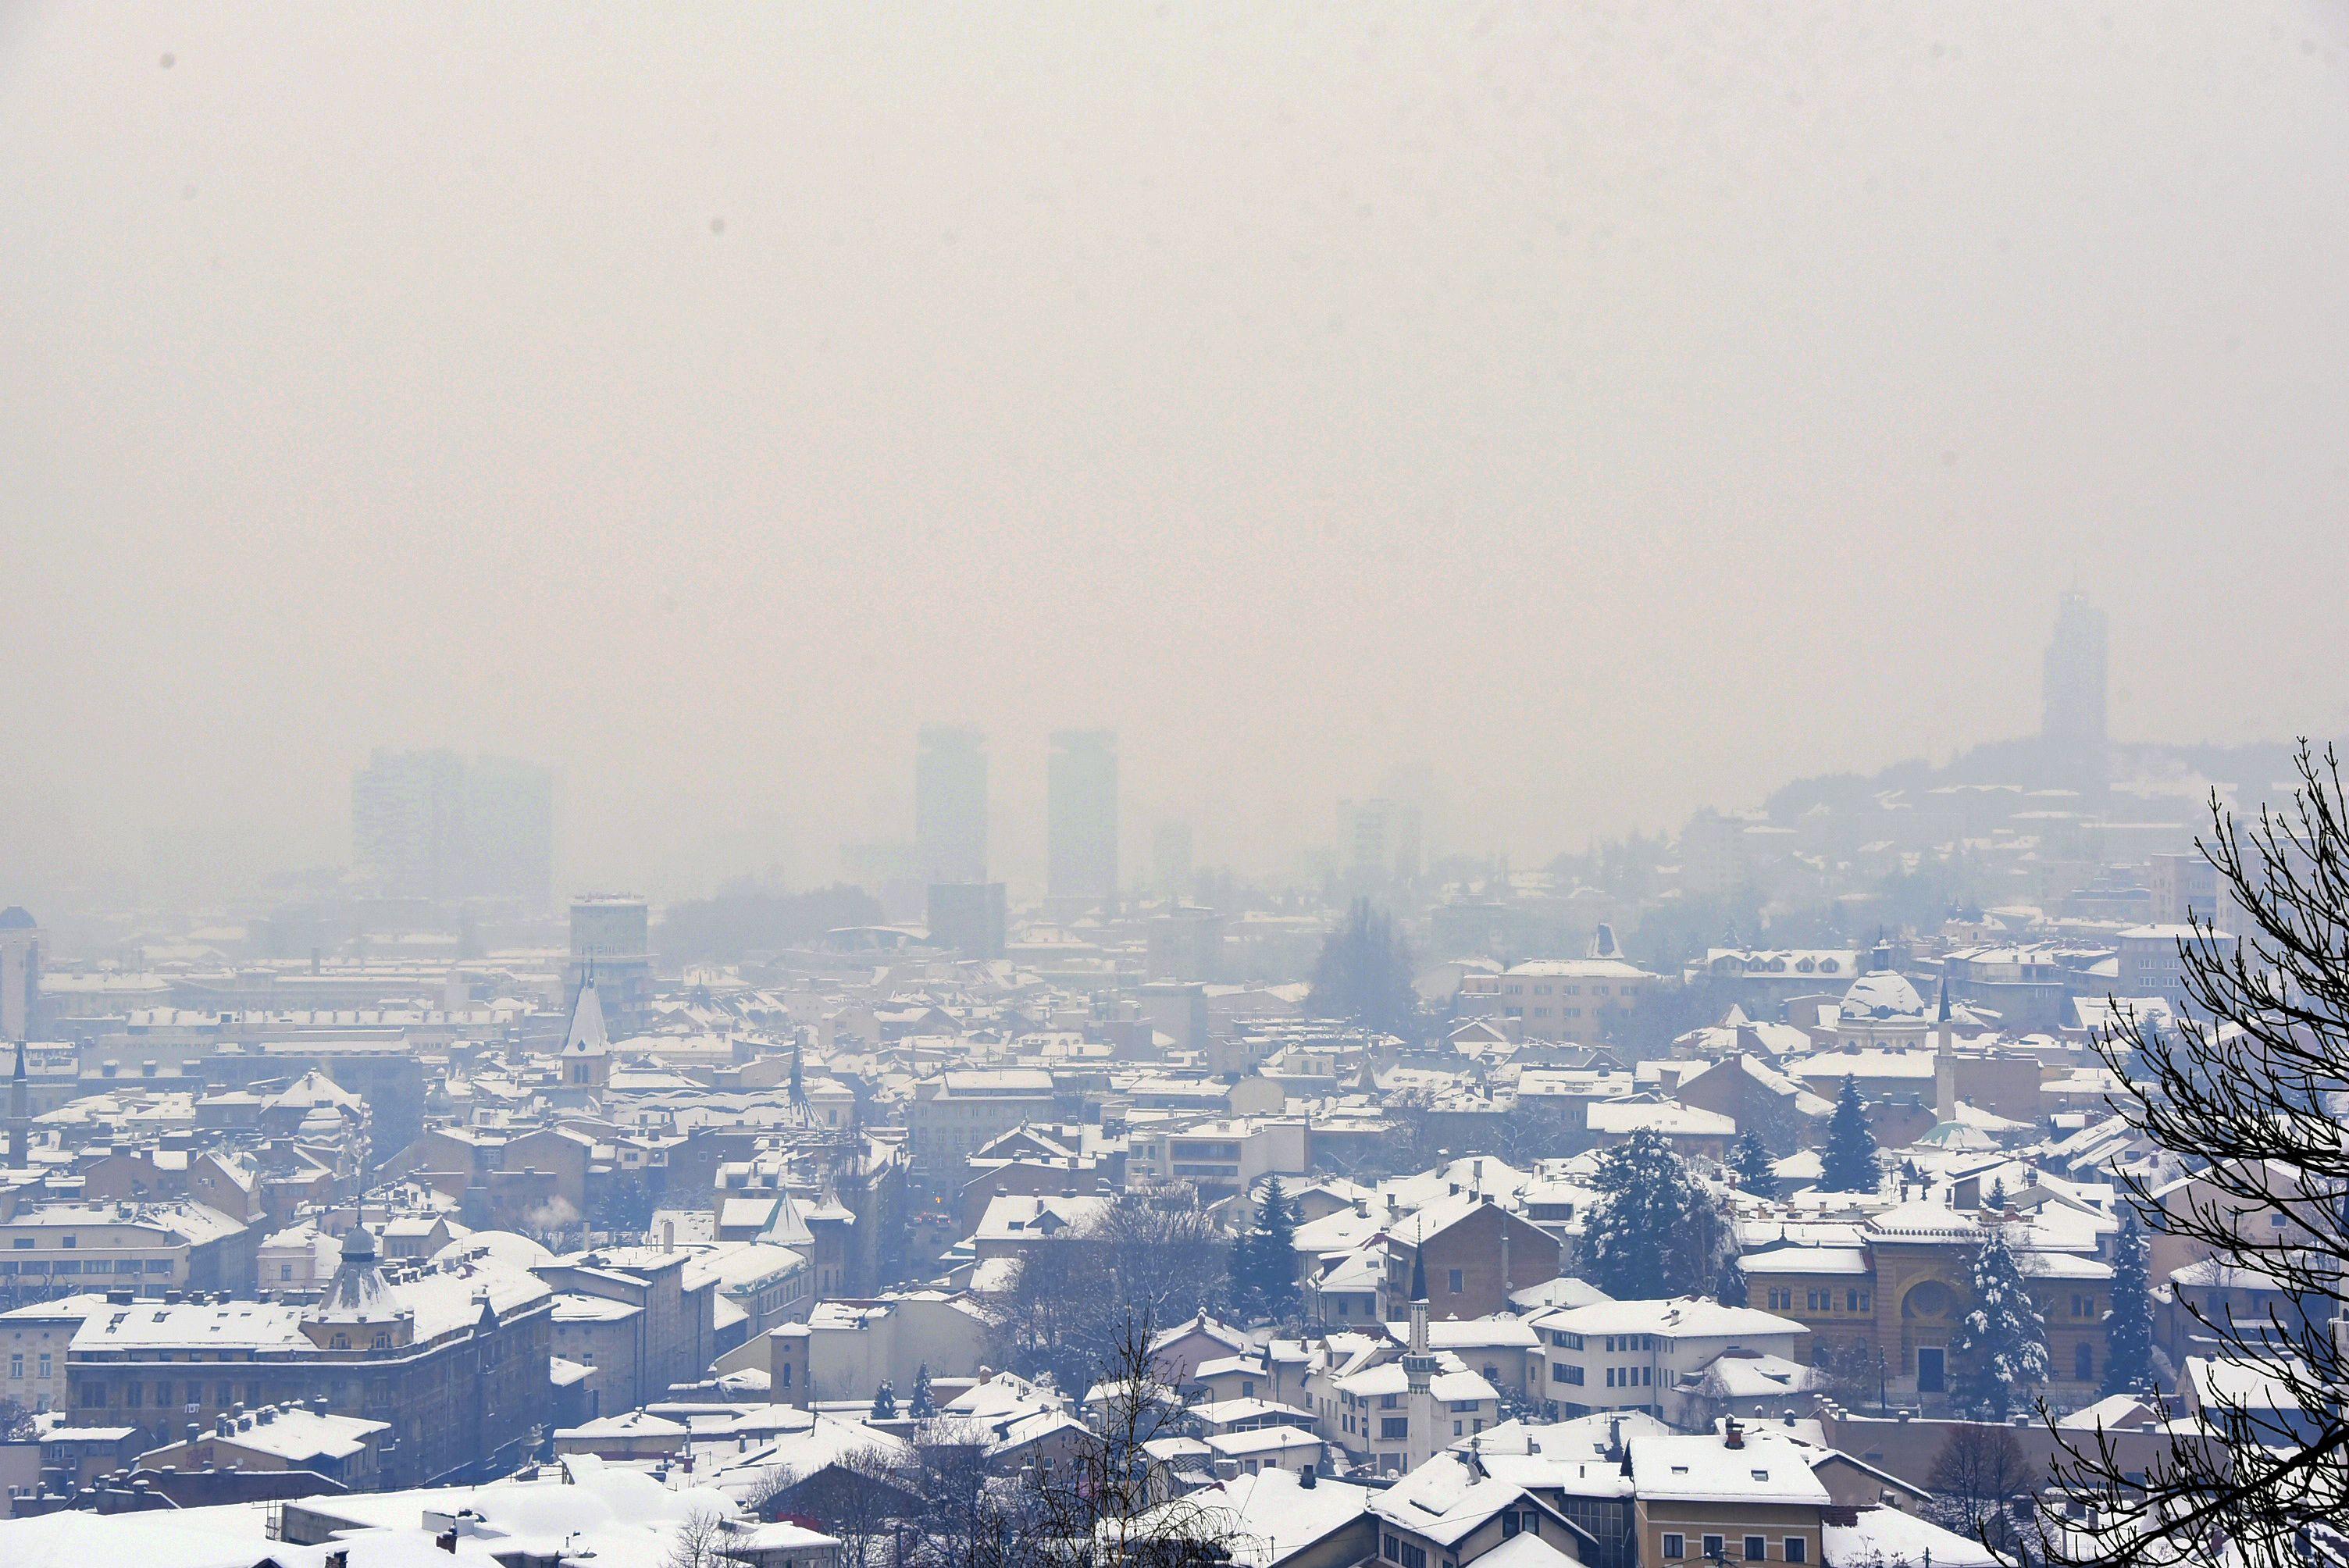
(1732, 1436)
(1227, 1469)
(1306, 1479)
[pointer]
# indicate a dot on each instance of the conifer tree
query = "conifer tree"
(1264, 1260)
(1849, 1162)
(1750, 1159)
(1730, 1289)
(1655, 1230)
(885, 1403)
(924, 1403)
(2128, 1332)
(2003, 1341)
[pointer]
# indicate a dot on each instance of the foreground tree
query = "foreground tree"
(1849, 1162)
(1655, 1230)
(1364, 974)
(2002, 1343)
(2129, 1331)
(925, 1403)
(1106, 1502)
(1977, 1472)
(2246, 1088)
(1750, 1159)
(1066, 1309)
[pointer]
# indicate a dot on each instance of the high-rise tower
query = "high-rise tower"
(1081, 810)
(950, 805)
(2074, 693)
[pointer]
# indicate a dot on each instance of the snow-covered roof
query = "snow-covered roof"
(1705, 1469)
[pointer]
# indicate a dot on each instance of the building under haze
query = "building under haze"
(431, 825)
(1081, 810)
(2074, 693)
(20, 974)
(950, 805)
(610, 938)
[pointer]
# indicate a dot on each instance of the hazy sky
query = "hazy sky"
(1615, 409)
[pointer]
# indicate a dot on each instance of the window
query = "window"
(1457, 1431)
(1781, 1299)
(1713, 1547)
(1853, 1301)
(1451, 1282)
(1565, 1374)
(285, 1271)
(1394, 1428)
(17, 1363)
(1675, 1544)
(1390, 1549)
(1822, 1301)
(1797, 1549)
(1414, 1556)
(1757, 1549)
(46, 1364)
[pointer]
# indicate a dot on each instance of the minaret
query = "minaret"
(1418, 1365)
(20, 1111)
(1945, 1050)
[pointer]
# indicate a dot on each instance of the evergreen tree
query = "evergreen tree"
(2002, 1343)
(1849, 1162)
(1264, 1262)
(2128, 1332)
(885, 1403)
(924, 1403)
(1751, 1161)
(1655, 1230)
(1364, 974)
(1995, 1199)
(1730, 1289)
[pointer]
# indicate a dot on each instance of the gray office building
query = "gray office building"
(950, 805)
(1080, 812)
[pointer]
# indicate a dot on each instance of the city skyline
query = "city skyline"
(1737, 419)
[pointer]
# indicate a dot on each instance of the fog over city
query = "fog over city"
(1578, 415)
(1206, 786)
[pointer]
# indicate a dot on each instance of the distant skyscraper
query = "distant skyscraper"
(408, 812)
(429, 825)
(1081, 810)
(2075, 677)
(20, 974)
(610, 938)
(950, 805)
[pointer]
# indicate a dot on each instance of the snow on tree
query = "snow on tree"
(2002, 1343)
(1750, 1159)
(1263, 1261)
(924, 1403)
(885, 1403)
(1848, 1162)
(1655, 1230)
(2129, 1331)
